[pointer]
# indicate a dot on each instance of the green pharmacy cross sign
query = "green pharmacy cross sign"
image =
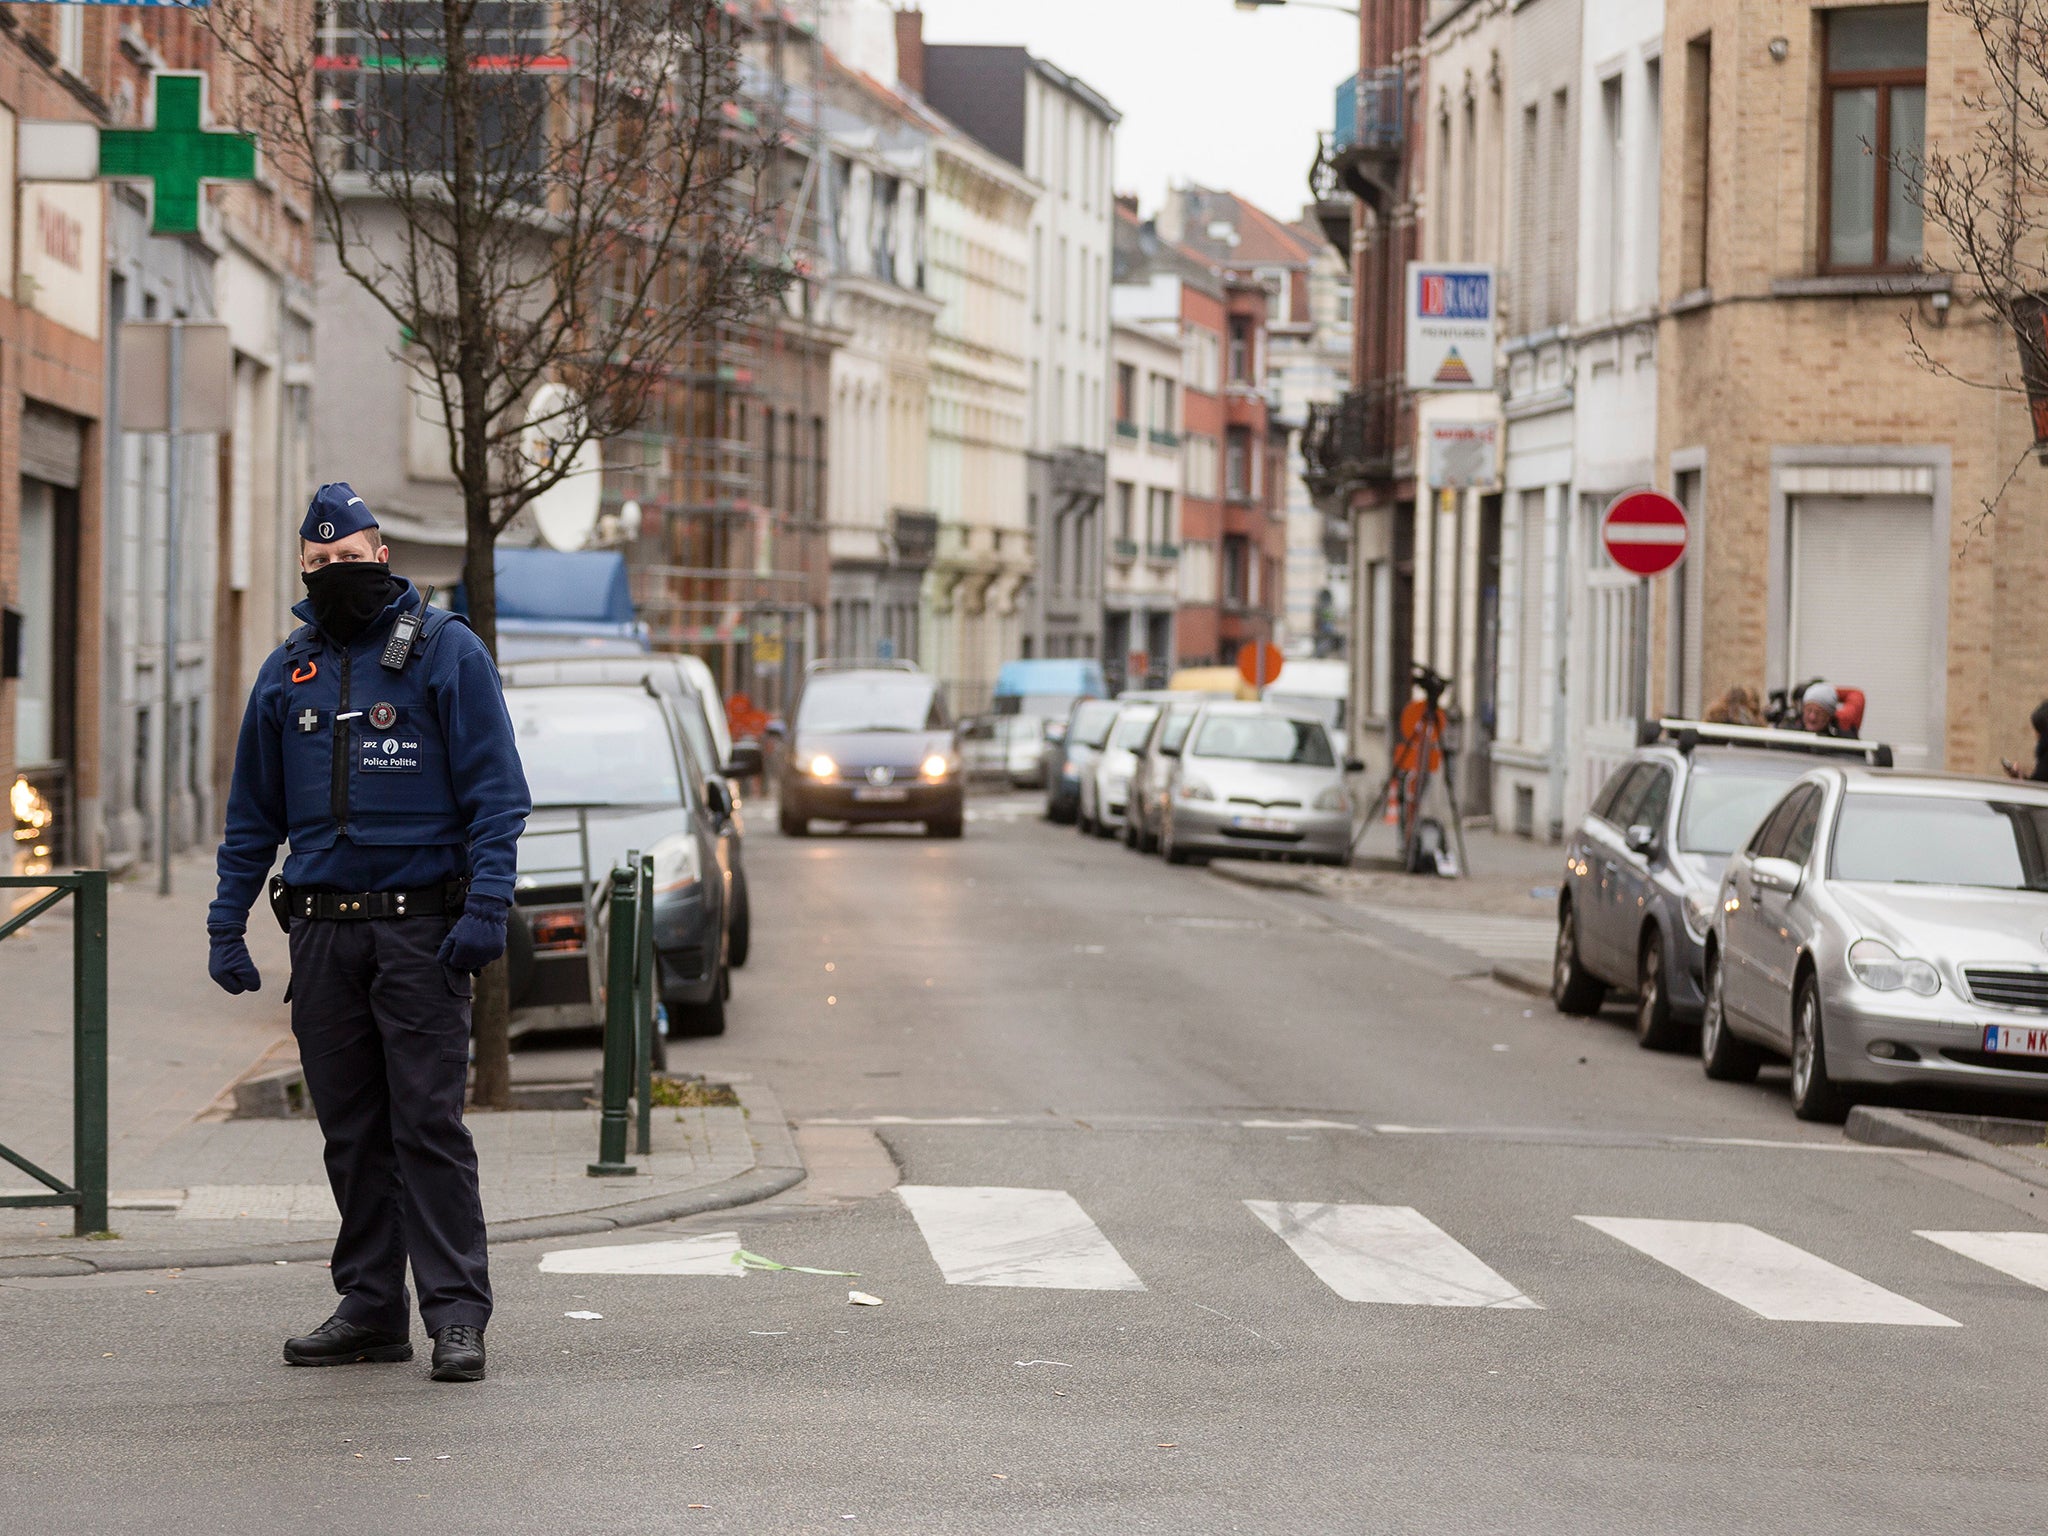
(177, 152)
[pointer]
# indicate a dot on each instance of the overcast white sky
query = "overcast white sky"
(1208, 93)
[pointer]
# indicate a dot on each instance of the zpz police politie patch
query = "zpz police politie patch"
(389, 754)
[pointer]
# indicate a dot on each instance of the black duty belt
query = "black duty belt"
(365, 906)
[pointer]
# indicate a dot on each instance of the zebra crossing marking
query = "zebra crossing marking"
(710, 1254)
(1386, 1253)
(980, 1235)
(1765, 1274)
(2023, 1255)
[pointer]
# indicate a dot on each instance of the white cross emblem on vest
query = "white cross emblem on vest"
(308, 721)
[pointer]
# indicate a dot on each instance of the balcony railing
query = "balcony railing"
(1127, 429)
(1162, 554)
(1161, 438)
(1350, 440)
(1370, 113)
(1124, 551)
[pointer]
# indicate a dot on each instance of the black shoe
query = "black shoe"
(459, 1353)
(341, 1342)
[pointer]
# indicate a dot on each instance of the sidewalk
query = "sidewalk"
(191, 1188)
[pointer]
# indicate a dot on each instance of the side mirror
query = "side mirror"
(745, 761)
(716, 797)
(1354, 765)
(1641, 838)
(1776, 875)
(776, 731)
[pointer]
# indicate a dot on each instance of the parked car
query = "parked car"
(1106, 787)
(1250, 779)
(1068, 757)
(1885, 928)
(1642, 870)
(1145, 805)
(1033, 698)
(718, 758)
(870, 743)
(1315, 686)
(609, 774)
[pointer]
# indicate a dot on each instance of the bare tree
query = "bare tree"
(536, 192)
(1984, 197)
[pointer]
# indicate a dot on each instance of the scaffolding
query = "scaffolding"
(729, 562)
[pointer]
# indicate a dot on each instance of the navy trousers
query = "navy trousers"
(383, 1031)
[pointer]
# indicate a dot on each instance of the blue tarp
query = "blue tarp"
(1055, 677)
(555, 587)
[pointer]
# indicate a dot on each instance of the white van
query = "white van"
(1318, 687)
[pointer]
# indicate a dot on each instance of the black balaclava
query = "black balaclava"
(348, 596)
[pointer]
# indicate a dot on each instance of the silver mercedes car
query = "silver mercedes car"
(1251, 779)
(1885, 928)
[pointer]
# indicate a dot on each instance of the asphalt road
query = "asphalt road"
(1214, 1215)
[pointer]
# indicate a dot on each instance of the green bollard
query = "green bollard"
(89, 1050)
(643, 1004)
(621, 946)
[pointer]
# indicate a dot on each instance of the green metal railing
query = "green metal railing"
(87, 1193)
(628, 1018)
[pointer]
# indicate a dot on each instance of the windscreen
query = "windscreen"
(602, 747)
(1329, 711)
(1265, 739)
(1092, 721)
(886, 701)
(1132, 727)
(1174, 734)
(1723, 806)
(1936, 840)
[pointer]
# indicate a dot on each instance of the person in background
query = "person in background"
(1819, 712)
(2039, 772)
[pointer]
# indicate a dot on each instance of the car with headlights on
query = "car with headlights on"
(1071, 752)
(610, 775)
(1642, 871)
(871, 743)
(1106, 788)
(1885, 928)
(1250, 779)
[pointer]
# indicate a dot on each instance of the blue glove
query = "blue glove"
(478, 936)
(228, 962)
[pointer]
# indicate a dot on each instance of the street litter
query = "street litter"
(767, 1333)
(863, 1299)
(747, 1260)
(586, 1316)
(401, 1458)
(1060, 1363)
(1500, 1047)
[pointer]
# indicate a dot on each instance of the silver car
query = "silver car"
(1885, 928)
(1252, 779)
(1106, 787)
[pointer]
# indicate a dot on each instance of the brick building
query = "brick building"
(1834, 483)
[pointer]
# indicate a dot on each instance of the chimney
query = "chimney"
(910, 49)
(1128, 201)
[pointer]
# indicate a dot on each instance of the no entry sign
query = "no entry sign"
(1644, 532)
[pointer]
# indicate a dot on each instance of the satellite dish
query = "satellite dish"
(567, 511)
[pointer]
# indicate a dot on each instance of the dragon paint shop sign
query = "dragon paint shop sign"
(1451, 319)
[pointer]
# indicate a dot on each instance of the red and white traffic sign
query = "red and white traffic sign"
(1644, 532)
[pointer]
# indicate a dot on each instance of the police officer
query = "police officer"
(378, 742)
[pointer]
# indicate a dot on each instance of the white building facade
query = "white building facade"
(1141, 581)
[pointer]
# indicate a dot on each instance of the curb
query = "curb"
(1263, 877)
(778, 1166)
(1926, 1133)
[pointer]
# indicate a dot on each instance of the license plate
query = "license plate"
(865, 793)
(2016, 1040)
(1261, 824)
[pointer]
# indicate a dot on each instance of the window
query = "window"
(1693, 210)
(1529, 204)
(1873, 113)
(1236, 569)
(1126, 497)
(1613, 197)
(1769, 842)
(1126, 393)
(1162, 403)
(1238, 470)
(1648, 173)
(71, 39)
(1616, 789)
(1468, 184)
(1240, 350)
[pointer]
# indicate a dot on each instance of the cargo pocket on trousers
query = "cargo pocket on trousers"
(460, 983)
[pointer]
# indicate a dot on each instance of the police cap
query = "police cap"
(335, 513)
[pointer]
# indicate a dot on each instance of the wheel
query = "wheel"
(1815, 1096)
(741, 937)
(1656, 1029)
(702, 1019)
(1573, 988)
(794, 825)
(946, 826)
(1104, 829)
(1725, 1058)
(1130, 831)
(1172, 851)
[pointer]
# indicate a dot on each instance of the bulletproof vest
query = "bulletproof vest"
(364, 753)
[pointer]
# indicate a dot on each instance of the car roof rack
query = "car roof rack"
(1687, 734)
(860, 664)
